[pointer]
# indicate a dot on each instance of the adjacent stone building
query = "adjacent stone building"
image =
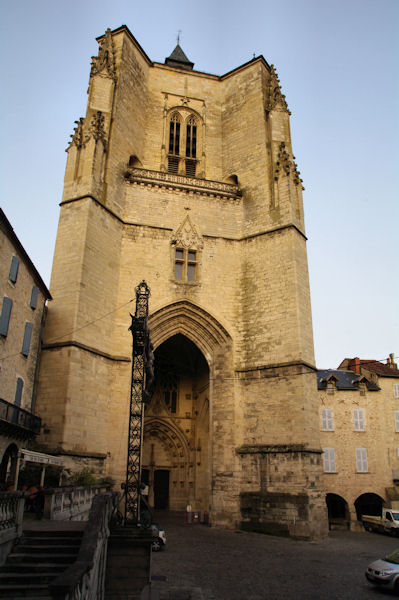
(23, 296)
(187, 180)
(359, 422)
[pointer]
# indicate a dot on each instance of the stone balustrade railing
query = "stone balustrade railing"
(70, 503)
(11, 516)
(85, 579)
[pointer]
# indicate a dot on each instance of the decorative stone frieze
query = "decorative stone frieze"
(190, 184)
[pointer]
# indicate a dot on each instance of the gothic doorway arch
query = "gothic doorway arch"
(190, 423)
(176, 428)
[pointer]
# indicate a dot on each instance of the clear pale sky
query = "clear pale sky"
(338, 64)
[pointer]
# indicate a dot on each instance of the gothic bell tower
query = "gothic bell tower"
(187, 180)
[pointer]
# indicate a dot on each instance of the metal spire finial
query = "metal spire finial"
(178, 37)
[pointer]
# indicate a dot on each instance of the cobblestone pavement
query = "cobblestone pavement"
(204, 563)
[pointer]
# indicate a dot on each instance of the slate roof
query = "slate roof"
(179, 59)
(344, 380)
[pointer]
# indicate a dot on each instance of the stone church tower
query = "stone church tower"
(187, 180)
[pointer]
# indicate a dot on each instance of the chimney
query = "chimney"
(354, 365)
(391, 363)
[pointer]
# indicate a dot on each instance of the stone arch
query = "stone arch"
(9, 463)
(168, 434)
(338, 512)
(368, 504)
(166, 452)
(213, 460)
(192, 321)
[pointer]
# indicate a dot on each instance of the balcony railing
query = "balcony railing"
(16, 419)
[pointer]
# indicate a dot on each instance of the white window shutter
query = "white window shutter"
(361, 460)
(329, 460)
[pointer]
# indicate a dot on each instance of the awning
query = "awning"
(40, 458)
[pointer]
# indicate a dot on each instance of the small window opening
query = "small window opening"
(185, 265)
(170, 397)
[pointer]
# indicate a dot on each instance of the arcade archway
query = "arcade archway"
(368, 504)
(338, 512)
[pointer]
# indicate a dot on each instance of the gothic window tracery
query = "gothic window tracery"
(183, 143)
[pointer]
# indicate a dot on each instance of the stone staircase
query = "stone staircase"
(37, 560)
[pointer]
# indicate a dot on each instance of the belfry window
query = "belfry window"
(183, 143)
(191, 147)
(185, 265)
(174, 144)
(174, 135)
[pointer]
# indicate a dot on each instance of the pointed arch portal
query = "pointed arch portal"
(179, 447)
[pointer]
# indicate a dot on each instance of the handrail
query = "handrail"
(15, 415)
(85, 579)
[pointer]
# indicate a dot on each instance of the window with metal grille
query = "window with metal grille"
(329, 460)
(185, 264)
(327, 419)
(361, 460)
(358, 419)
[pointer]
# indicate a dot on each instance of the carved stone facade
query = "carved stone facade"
(187, 180)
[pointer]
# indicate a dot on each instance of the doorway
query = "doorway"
(161, 489)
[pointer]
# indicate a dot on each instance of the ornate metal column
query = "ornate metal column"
(140, 392)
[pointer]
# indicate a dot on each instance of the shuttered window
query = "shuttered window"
(361, 460)
(27, 339)
(396, 390)
(327, 419)
(34, 296)
(5, 316)
(396, 420)
(329, 460)
(18, 391)
(358, 419)
(14, 269)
